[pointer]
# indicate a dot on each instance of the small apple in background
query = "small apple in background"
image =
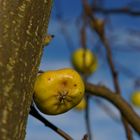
(135, 98)
(84, 61)
(58, 91)
(81, 105)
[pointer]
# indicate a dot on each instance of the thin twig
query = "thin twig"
(123, 10)
(85, 76)
(87, 117)
(38, 116)
(111, 64)
(116, 83)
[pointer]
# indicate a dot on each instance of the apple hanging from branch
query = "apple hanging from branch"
(57, 91)
(84, 61)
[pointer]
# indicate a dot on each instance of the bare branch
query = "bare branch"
(36, 114)
(85, 76)
(123, 10)
(115, 81)
(126, 110)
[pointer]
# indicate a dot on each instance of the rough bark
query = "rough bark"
(23, 24)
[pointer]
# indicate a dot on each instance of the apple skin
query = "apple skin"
(84, 61)
(135, 98)
(82, 105)
(58, 91)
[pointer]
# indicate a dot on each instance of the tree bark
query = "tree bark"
(23, 25)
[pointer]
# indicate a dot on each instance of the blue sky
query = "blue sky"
(57, 55)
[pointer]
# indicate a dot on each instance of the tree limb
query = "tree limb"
(125, 109)
(115, 81)
(123, 10)
(37, 115)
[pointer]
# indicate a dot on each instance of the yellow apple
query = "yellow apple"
(135, 98)
(58, 91)
(81, 105)
(84, 61)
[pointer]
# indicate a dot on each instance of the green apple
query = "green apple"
(135, 98)
(84, 61)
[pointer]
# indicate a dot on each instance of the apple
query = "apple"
(81, 105)
(57, 91)
(135, 98)
(84, 61)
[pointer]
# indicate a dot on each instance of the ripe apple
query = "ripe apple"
(58, 91)
(135, 98)
(84, 61)
(81, 105)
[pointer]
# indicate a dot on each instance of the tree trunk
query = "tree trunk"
(23, 25)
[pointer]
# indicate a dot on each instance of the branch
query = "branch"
(36, 114)
(125, 109)
(85, 76)
(111, 64)
(87, 118)
(123, 10)
(115, 81)
(100, 32)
